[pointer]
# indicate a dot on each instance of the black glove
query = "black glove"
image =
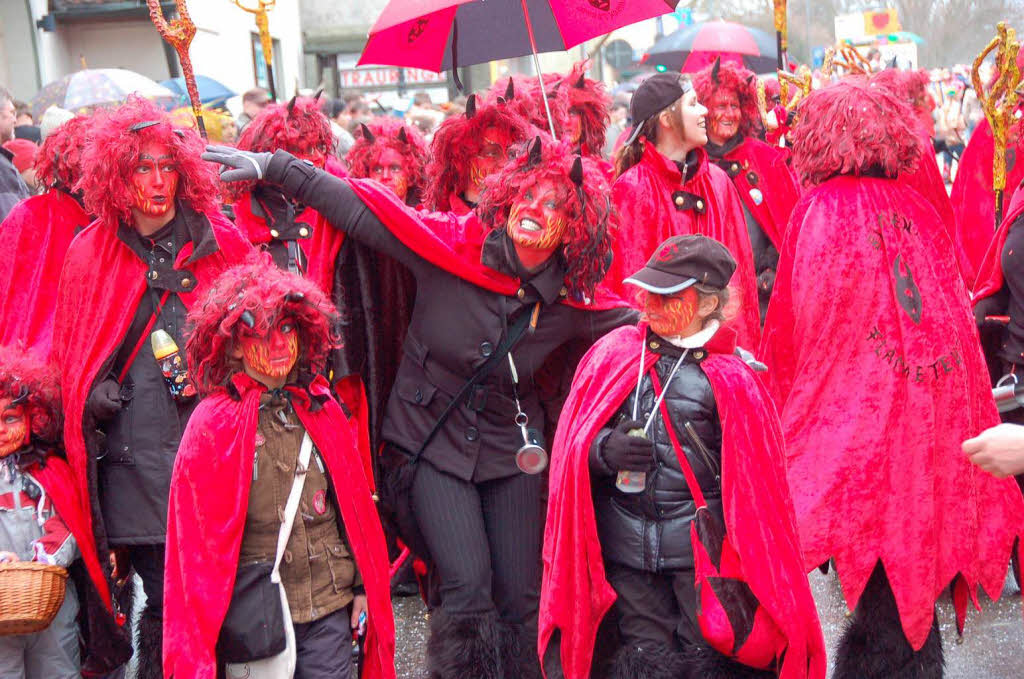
(105, 400)
(238, 166)
(622, 452)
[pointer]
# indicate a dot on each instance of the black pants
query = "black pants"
(324, 647)
(148, 562)
(657, 609)
(485, 541)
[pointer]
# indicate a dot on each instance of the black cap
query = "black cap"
(653, 96)
(682, 261)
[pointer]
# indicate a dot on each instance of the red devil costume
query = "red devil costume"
(657, 198)
(34, 237)
(760, 172)
(392, 153)
(212, 533)
(122, 424)
(522, 94)
(877, 370)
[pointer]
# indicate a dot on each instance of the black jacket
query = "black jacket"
(650, 531)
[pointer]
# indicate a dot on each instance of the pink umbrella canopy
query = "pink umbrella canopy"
(691, 48)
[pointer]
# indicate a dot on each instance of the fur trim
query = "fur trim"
(703, 662)
(518, 651)
(149, 640)
(464, 646)
(655, 662)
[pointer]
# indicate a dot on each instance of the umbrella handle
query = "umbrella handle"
(536, 65)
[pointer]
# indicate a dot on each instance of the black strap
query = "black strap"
(515, 333)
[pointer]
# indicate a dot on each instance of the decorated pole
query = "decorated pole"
(259, 12)
(179, 33)
(781, 34)
(999, 102)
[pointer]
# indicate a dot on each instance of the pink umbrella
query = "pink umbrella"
(438, 35)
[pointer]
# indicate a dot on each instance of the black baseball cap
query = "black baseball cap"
(682, 261)
(653, 96)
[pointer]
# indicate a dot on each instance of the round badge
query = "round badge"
(320, 502)
(757, 196)
(259, 439)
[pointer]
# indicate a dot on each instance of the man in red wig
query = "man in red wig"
(393, 153)
(258, 346)
(128, 280)
(497, 292)
(670, 400)
(760, 172)
(666, 186)
(35, 236)
(876, 369)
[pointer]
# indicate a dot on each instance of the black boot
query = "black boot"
(704, 662)
(519, 658)
(149, 645)
(464, 646)
(653, 662)
(873, 645)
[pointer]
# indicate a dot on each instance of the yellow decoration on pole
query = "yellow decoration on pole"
(179, 34)
(259, 11)
(781, 33)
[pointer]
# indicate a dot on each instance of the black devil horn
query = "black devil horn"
(291, 104)
(319, 93)
(367, 135)
(402, 137)
(471, 106)
(294, 296)
(535, 152)
(581, 83)
(714, 70)
(576, 173)
(22, 396)
(247, 318)
(510, 90)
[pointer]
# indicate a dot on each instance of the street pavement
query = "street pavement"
(992, 646)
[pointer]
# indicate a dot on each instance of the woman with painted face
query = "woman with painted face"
(668, 401)
(393, 153)
(258, 345)
(666, 186)
(497, 291)
(760, 172)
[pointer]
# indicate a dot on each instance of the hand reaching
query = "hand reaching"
(238, 166)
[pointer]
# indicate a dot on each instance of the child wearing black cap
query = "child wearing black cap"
(655, 409)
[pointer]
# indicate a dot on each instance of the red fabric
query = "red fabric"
(775, 180)
(990, 274)
(206, 520)
(643, 197)
(877, 395)
(321, 249)
(33, 239)
(758, 511)
(972, 196)
(100, 287)
(452, 242)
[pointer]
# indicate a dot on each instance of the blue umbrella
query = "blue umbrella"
(210, 90)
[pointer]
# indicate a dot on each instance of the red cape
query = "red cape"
(990, 274)
(972, 196)
(100, 287)
(758, 511)
(33, 239)
(321, 249)
(876, 394)
(764, 167)
(206, 520)
(643, 196)
(453, 243)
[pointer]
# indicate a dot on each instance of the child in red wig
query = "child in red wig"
(394, 154)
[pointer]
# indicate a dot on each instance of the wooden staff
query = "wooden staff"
(266, 43)
(179, 33)
(781, 34)
(999, 102)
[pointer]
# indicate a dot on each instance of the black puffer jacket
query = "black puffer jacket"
(650, 531)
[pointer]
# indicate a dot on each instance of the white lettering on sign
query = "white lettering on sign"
(386, 77)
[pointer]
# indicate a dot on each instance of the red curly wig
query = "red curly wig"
(257, 293)
(458, 140)
(23, 374)
(591, 102)
(911, 86)
(591, 217)
(385, 135)
(730, 77)
(298, 127)
(59, 161)
(112, 152)
(521, 93)
(854, 127)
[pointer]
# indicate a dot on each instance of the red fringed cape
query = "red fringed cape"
(206, 519)
(100, 287)
(972, 196)
(878, 375)
(321, 249)
(758, 511)
(990, 275)
(33, 240)
(764, 172)
(644, 198)
(453, 243)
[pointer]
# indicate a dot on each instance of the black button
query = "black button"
(486, 349)
(472, 433)
(419, 396)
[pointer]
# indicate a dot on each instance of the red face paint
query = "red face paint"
(575, 125)
(15, 427)
(272, 355)
(491, 157)
(538, 218)
(154, 180)
(388, 170)
(669, 316)
(724, 117)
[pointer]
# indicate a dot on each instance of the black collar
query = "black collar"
(7, 154)
(188, 223)
(719, 150)
(688, 168)
(499, 254)
(661, 346)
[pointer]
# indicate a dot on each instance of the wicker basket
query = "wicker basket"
(31, 593)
